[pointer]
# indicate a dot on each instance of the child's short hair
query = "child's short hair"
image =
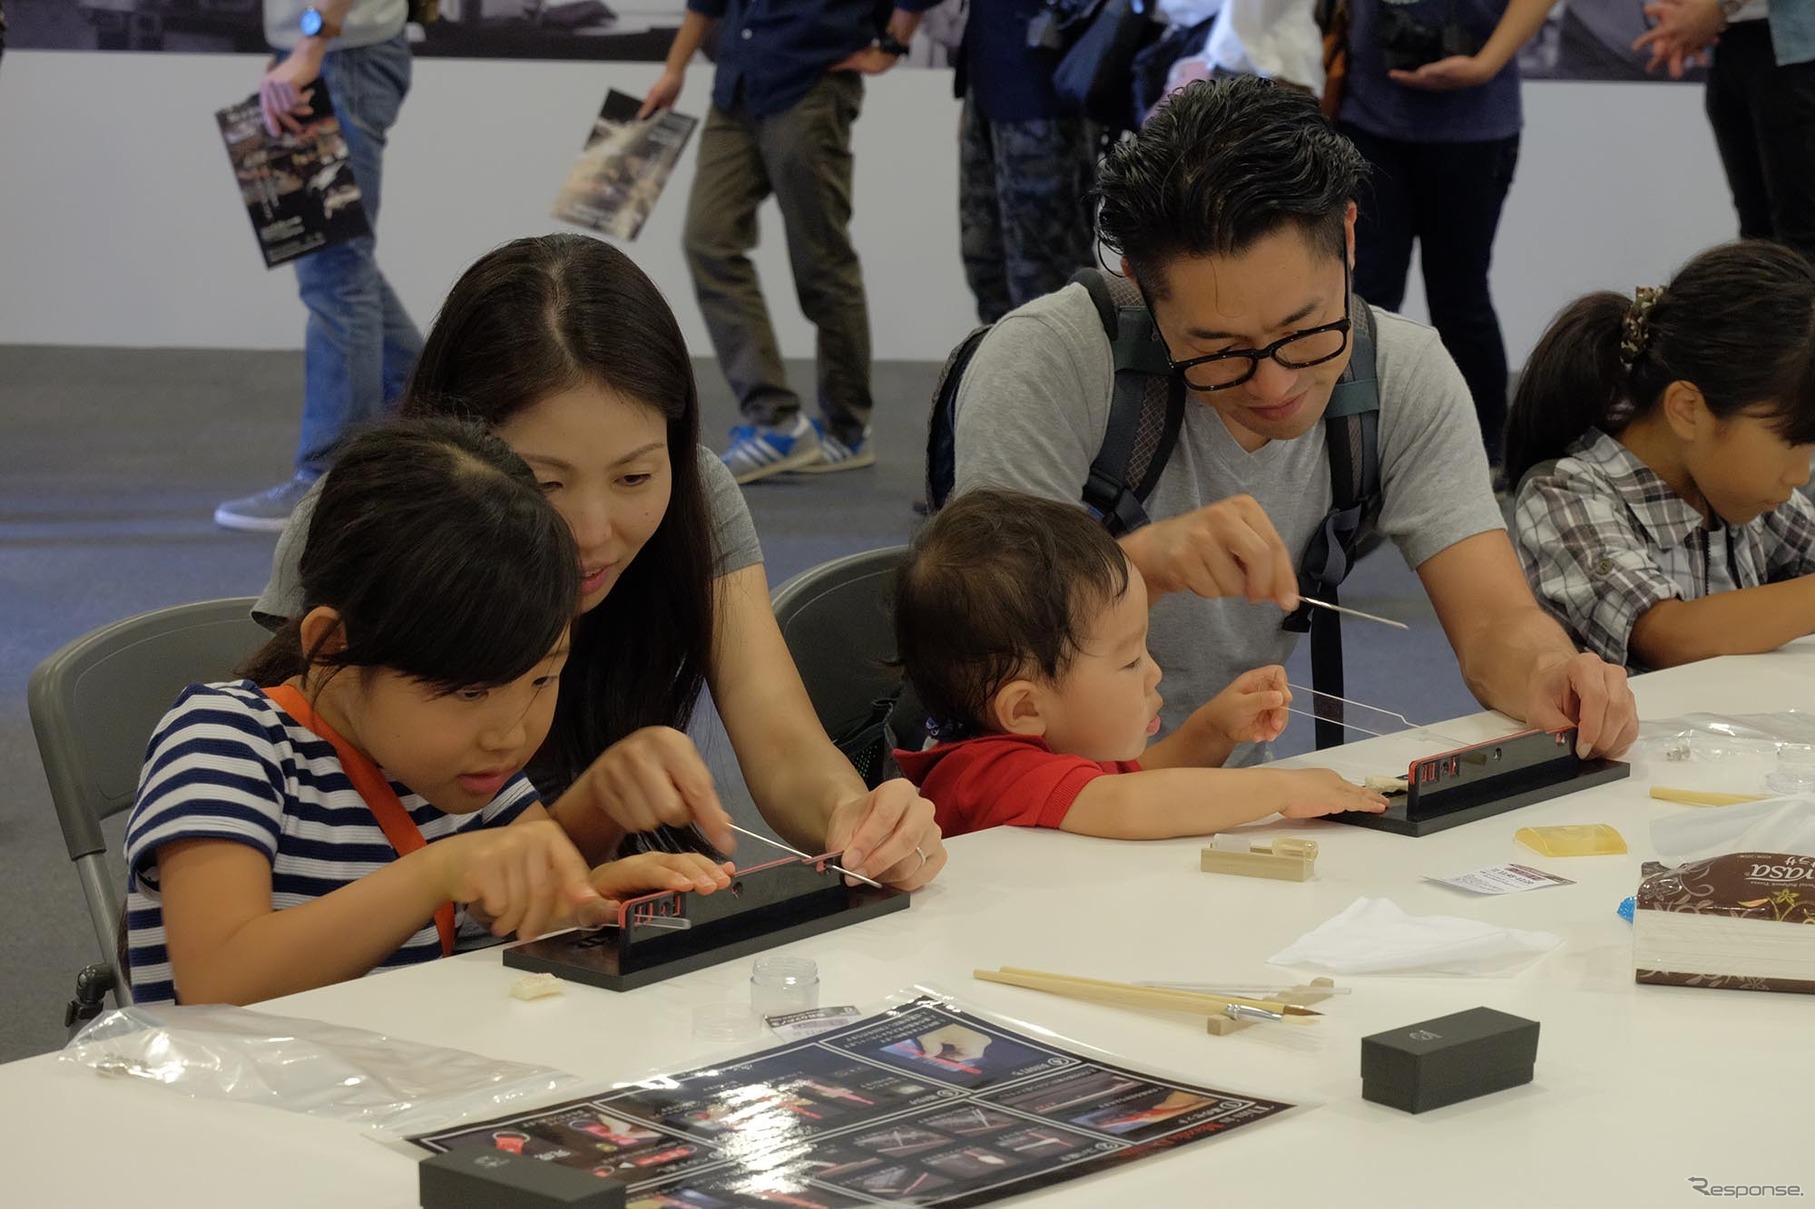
(443, 556)
(999, 584)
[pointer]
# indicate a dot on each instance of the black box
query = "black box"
(478, 1177)
(1449, 1059)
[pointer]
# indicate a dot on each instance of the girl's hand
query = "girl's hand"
(1253, 708)
(889, 834)
(652, 871)
(1448, 75)
(526, 878)
(1308, 793)
(655, 776)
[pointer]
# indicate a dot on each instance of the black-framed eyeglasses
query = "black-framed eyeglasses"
(1299, 350)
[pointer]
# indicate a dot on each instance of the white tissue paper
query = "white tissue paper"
(1776, 825)
(1373, 936)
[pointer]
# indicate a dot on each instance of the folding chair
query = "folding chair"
(94, 705)
(836, 620)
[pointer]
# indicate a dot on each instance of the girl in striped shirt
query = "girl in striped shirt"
(358, 801)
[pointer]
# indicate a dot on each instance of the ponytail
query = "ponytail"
(1737, 322)
(1573, 382)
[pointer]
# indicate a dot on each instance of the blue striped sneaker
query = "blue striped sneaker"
(834, 454)
(760, 450)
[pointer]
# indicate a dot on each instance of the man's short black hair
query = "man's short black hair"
(1000, 584)
(1220, 165)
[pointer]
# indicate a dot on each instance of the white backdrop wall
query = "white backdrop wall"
(119, 223)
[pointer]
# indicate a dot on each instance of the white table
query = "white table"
(1637, 1088)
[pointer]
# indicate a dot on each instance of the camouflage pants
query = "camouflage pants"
(1021, 207)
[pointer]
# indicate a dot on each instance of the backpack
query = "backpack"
(1145, 412)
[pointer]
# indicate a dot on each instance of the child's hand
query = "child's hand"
(651, 871)
(1307, 793)
(527, 878)
(1253, 708)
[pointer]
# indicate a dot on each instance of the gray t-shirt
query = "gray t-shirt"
(1034, 405)
(734, 543)
(367, 22)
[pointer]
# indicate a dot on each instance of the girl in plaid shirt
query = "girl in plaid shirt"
(1658, 443)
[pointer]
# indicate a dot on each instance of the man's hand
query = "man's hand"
(889, 834)
(1589, 694)
(663, 94)
(283, 93)
(1682, 32)
(1228, 548)
(871, 61)
(1447, 75)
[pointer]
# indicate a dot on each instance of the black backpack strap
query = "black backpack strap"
(1146, 407)
(942, 421)
(1352, 437)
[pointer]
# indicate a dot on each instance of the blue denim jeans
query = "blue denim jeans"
(360, 343)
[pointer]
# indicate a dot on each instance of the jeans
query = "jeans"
(1763, 117)
(1021, 189)
(1447, 197)
(803, 156)
(360, 344)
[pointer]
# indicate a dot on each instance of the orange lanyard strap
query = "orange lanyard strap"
(386, 806)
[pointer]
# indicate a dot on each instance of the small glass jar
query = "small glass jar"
(779, 985)
(1795, 771)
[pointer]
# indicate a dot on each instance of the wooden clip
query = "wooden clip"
(1282, 858)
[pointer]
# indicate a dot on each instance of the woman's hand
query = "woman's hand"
(889, 834)
(1447, 75)
(526, 878)
(655, 776)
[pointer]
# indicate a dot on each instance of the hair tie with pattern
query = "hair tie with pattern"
(1635, 328)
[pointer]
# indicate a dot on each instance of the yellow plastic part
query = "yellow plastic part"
(1574, 839)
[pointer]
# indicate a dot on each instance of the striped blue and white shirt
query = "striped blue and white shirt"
(227, 764)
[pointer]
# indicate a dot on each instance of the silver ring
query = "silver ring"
(921, 855)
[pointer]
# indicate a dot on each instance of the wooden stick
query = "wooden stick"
(1701, 797)
(1128, 995)
(1104, 984)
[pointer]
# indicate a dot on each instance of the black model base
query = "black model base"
(1486, 779)
(761, 910)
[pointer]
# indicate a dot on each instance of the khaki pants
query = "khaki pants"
(803, 157)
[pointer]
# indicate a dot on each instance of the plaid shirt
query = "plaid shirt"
(1602, 538)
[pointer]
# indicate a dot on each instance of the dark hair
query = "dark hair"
(444, 559)
(540, 316)
(1220, 165)
(1738, 321)
(999, 584)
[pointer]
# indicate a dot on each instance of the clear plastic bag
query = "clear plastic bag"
(1725, 736)
(326, 1070)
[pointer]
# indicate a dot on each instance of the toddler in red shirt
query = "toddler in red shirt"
(1023, 630)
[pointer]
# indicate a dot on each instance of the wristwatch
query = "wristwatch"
(315, 24)
(889, 44)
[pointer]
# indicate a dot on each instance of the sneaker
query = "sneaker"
(760, 450)
(268, 511)
(834, 454)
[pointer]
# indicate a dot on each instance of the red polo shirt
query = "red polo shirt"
(1002, 780)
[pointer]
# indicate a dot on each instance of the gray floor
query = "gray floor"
(111, 464)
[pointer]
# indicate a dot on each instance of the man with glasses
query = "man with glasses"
(1233, 211)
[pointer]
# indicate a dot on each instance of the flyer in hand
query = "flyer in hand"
(623, 168)
(298, 188)
(926, 1104)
